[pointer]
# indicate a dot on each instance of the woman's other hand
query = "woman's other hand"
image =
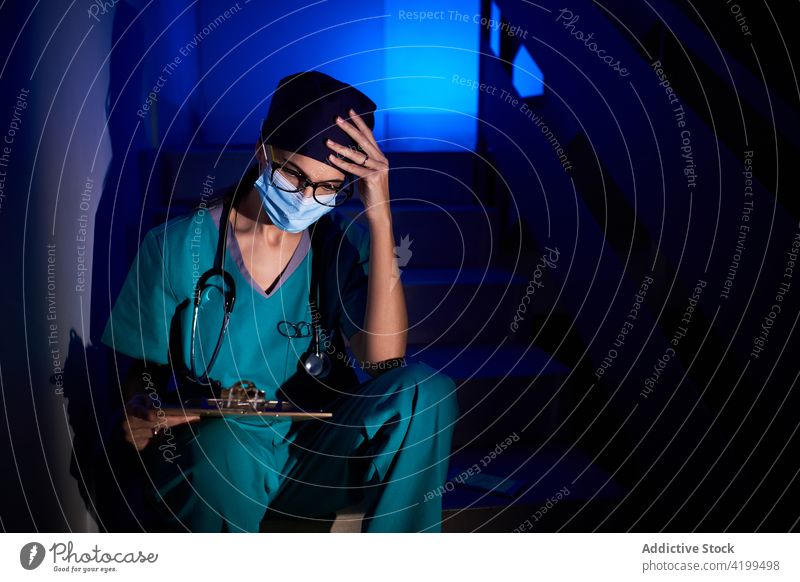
(142, 422)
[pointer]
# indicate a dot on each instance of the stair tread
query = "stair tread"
(464, 275)
(399, 204)
(543, 472)
(523, 463)
(488, 361)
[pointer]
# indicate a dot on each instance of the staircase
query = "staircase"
(461, 292)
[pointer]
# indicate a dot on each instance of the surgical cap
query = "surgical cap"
(303, 113)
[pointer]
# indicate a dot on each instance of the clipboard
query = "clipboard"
(223, 407)
(242, 399)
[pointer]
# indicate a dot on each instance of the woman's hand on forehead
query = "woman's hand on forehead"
(367, 163)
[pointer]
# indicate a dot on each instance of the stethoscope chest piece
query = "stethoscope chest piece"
(317, 364)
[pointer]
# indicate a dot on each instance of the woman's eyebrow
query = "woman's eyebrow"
(299, 169)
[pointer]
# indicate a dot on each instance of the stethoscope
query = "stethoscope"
(317, 363)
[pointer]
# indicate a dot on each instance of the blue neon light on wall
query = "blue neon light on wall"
(425, 59)
(494, 34)
(527, 77)
(405, 63)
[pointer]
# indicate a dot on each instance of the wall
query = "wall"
(58, 146)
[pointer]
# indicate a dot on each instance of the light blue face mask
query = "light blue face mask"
(289, 211)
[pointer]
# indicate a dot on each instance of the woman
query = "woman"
(388, 442)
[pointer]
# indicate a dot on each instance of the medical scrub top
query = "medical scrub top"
(269, 330)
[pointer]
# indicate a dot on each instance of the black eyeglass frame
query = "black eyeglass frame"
(346, 187)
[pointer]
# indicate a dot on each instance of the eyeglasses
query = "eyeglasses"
(297, 181)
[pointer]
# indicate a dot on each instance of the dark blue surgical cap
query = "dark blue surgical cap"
(303, 113)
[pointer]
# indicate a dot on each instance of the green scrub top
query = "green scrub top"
(159, 287)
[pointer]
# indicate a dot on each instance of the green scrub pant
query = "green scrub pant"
(387, 445)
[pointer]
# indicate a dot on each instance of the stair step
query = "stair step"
(441, 177)
(543, 473)
(540, 471)
(435, 235)
(453, 305)
(459, 234)
(437, 177)
(181, 173)
(488, 362)
(501, 390)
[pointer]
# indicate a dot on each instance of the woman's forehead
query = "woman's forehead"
(314, 169)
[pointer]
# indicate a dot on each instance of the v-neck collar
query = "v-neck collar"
(235, 252)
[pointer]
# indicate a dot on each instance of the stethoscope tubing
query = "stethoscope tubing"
(319, 367)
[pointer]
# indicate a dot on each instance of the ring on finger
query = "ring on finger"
(155, 430)
(366, 157)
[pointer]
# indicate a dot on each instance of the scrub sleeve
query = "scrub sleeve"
(139, 323)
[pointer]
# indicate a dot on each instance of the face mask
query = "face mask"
(289, 211)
